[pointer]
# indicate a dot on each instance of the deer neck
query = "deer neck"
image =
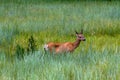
(76, 43)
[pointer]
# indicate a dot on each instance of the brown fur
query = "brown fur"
(67, 46)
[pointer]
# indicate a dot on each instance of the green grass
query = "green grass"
(93, 65)
(95, 59)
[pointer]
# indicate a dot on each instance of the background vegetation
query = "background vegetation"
(97, 58)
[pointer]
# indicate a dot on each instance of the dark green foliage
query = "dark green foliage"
(31, 45)
(30, 49)
(20, 52)
(47, 1)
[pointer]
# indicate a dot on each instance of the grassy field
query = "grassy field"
(98, 58)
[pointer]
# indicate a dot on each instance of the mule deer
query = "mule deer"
(65, 47)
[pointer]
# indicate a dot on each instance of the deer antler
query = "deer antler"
(76, 32)
(81, 31)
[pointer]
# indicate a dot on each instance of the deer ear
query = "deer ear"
(76, 32)
(81, 31)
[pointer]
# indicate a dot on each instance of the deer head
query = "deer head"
(80, 36)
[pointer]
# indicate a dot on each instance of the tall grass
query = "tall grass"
(96, 59)
(19, 21)
(92, 64)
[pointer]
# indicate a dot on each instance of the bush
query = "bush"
(19, 52)
(31, 45)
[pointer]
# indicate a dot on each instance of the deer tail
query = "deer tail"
(45, 48)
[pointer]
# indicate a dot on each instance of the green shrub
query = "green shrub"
(19, 52)
(31, 45)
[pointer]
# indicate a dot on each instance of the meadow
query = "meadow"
(98, 58)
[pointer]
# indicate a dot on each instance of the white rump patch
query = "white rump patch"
(46, 47)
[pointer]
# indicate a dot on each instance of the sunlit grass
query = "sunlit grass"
(95, 59)
(86, 65)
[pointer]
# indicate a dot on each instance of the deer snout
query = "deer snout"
(84, 39)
